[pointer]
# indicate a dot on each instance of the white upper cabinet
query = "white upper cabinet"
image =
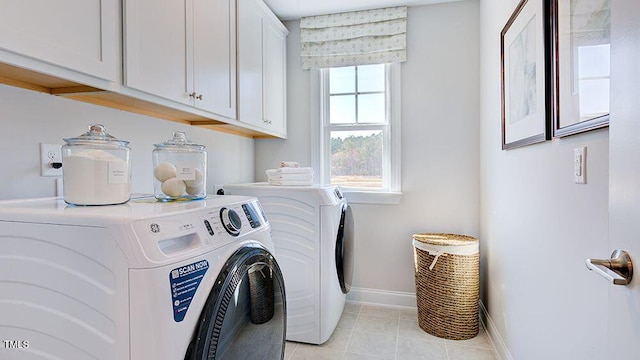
(275, 75)
(79, 35)
(250, 107)
(155, 56)
(206, 63)
(261, 68)
(214, 53)
(183, 51)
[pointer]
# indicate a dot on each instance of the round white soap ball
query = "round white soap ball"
(173, 187)
(165, 171)
(195, 190)
(197, 181)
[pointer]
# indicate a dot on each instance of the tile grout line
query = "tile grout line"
(344, 354)
(446, 350)
(293, 352)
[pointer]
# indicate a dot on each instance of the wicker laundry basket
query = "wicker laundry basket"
(447, 284)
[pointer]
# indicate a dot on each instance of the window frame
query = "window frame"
(321, 132)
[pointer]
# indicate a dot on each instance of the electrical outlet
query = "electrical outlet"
(50, 160)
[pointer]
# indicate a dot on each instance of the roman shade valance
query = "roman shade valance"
(354, 38)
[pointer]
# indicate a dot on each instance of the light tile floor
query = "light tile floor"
(376, 332)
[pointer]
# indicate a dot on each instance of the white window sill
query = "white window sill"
(372, 197)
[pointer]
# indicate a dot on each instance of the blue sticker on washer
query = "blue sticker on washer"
(184, 283)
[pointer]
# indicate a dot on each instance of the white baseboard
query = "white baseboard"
(494, 335)
(382, 297)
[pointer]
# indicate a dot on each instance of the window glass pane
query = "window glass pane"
(342, 109)
(342, 80)
(594, 98)
(594, 60)
(356, 158)
(371, 109)
(371, 78)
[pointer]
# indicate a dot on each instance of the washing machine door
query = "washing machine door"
(344, 249)
(245, 314)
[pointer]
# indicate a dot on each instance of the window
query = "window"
(359, 130)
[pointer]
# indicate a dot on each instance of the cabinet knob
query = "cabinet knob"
(192, 95)
(199, 97)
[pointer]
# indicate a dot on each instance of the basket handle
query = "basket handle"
(435, 259)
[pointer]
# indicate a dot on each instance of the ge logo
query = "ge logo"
(155, 228)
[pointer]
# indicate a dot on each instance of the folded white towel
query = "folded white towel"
(291, 177)
(291, 182)
(289, 170)
(292, 164)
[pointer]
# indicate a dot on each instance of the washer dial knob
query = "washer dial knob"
(231, 221)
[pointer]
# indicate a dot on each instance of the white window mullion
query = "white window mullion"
(394, 91)
(349, 127)
(325, 175)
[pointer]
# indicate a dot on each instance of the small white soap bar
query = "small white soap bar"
(164, 171)
(173, 187)
(196, 190)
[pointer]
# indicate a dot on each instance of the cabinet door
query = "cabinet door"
(157, 35)
(76, 34)
(214, 55)
(250, 82)
(275, 77)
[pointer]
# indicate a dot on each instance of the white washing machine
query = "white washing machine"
(312, 231)
(142, 280)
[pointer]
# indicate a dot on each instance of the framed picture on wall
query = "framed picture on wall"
(580, 37)
(526, 117)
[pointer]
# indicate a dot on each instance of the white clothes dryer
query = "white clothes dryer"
(312, 231)
(141, 280)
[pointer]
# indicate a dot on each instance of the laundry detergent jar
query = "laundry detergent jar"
(179, 169)
(96, 168)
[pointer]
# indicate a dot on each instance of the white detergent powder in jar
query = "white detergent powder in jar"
(96, 169)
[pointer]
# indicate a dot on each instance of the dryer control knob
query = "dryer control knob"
(231, 221)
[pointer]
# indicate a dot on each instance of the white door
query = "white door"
(623, 307)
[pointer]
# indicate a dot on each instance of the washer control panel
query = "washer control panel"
(211, 227)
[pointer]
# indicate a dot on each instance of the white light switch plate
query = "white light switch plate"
(579, 165)
(50, 153)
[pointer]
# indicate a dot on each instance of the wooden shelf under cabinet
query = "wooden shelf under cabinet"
(31, 80)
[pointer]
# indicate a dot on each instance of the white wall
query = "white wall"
(537, 227)
(28, 118)
(440, 125)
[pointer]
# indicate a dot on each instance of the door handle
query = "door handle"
(618, 270)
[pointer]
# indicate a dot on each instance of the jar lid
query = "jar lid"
(180, 141)
(96, 135)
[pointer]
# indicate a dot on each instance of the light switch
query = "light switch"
(579, 165)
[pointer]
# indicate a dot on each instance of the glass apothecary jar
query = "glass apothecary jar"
(96, 168)
(179, 169)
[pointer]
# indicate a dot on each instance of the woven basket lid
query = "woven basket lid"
(444, 239)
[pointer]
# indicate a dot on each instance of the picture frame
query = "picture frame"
(525, 75)
(580, 50)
